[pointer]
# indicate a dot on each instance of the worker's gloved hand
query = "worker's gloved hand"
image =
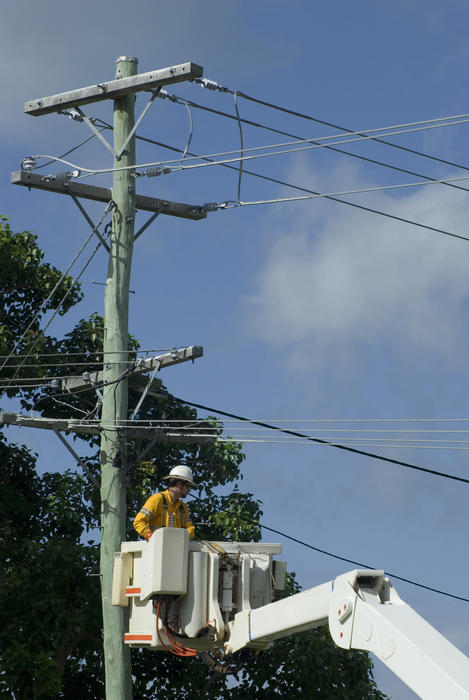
(149, 534)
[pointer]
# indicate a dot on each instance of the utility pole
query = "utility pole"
(115, 396)
(115, 425)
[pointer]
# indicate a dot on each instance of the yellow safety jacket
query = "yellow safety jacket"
(160, 511)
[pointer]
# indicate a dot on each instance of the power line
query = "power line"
(326, 123)
(249, 519)
(361, 207)
(374, 161)
(363, 566)
(91, 352)
(346, 448)
(75, 282)
(313, 144)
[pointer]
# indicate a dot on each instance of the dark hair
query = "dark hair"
(174, 482)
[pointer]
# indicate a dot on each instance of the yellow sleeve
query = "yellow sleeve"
(147, 514)
(187, 522)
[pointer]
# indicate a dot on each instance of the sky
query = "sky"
(308, 310)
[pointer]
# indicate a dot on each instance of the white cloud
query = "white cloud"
(335, 280)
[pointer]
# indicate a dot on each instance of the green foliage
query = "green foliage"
(29, 288)
(51, 641)
(50, 612)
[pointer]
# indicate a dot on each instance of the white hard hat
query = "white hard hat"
(180, 471)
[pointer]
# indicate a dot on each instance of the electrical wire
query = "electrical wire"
(71, 150)
(349, 192)
(241, 145)
(36, 316)
(363, 136)
(345, 448)
(94, 352)
(253, 521)
(361, 207)
(286, 150)
(189, 138)
(374, 161)
(334, 126)
(56, 311)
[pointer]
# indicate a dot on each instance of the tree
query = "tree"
(29, 288)
(51, 644)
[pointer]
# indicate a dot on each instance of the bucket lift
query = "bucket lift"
(199, 596)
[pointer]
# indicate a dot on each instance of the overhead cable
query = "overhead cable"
(312, 144)
(247, 518)
(331, 124)
(359, 136)
(374, 161)
(345, 448)
(241, 145)
(108, 208)
(56, 311)
(370, 210)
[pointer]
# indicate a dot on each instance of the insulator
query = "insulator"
(67, 175)
(210, 206)
(55, 384)
(155, 172)
(209, 84)
(28, 163)
(86, 376)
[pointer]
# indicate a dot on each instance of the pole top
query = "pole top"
(127, 58)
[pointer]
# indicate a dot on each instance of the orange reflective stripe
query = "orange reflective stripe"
(138, 637)
(132, 591)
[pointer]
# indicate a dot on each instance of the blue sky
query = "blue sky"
(306, 310)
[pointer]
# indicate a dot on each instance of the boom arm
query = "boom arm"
(363, 611)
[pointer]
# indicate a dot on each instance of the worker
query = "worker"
(165, 509)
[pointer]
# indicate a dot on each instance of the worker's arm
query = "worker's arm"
(146, 515)
(186, 521)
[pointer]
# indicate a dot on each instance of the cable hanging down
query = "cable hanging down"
(220, 88)
(350, 154)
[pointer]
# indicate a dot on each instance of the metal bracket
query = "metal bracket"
(147, 224)
(154, 94)
(77, 457)
(145, 391)
(96, 131)
(89, 220)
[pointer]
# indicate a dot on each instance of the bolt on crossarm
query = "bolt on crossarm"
(115, 394)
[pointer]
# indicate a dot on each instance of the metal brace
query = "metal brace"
(96, 131)
(150, 221)
(89, 220)
(145, 391)
(79, 459)
(154, 94)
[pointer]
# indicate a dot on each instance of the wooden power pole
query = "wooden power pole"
(115, 395)
(113, 378)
